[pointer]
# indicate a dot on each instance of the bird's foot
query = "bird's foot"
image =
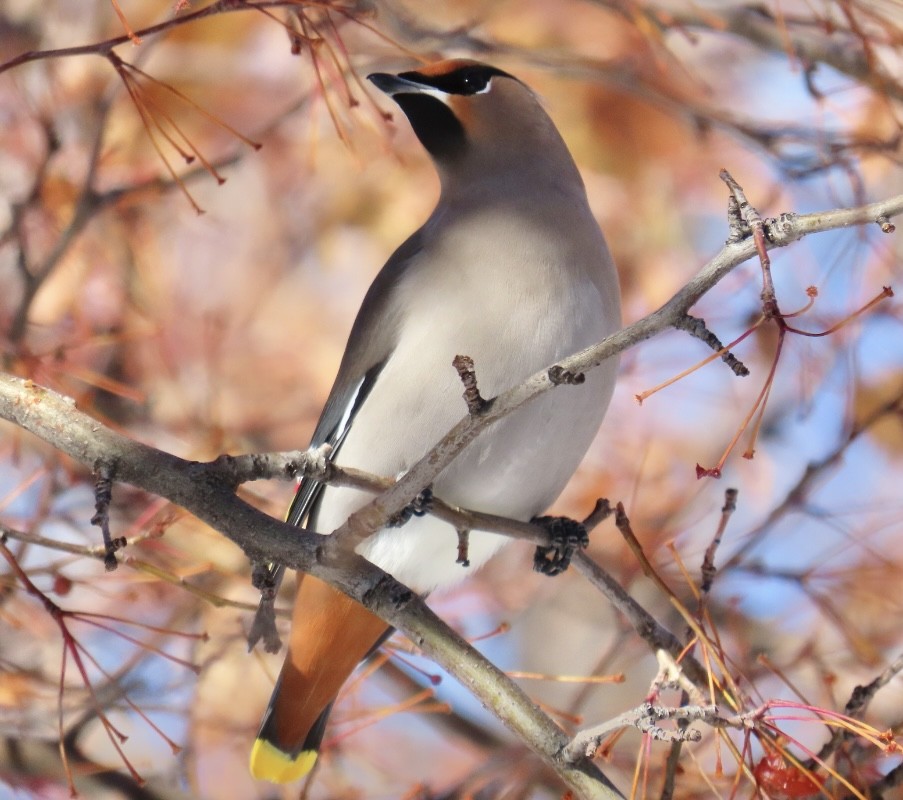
(567, 536)
(418, 507)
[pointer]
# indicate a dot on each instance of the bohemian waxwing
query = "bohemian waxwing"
(510, 269)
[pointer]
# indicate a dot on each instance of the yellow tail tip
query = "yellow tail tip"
(269, 763)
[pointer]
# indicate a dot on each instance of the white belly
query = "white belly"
(512, 319)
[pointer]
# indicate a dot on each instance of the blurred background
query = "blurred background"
(221, 331)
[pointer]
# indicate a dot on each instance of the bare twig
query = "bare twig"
(697, 328)
(99, 552)
(601, 512)
(103, 496)
(885, 224)
(645, 716)
(857, 705)
(475, 401)
(106, 46)
(563, 377)
(708, 561)
(656, 636)
(796, 496)
(750, 215)
(892, 779)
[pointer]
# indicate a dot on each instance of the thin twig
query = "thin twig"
(103, 496)
(697, 328)
(708, 561)
(645, 716)
(753, 219)
(465, 368)
(857, 705)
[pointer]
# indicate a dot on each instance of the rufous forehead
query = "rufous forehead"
(448, 66)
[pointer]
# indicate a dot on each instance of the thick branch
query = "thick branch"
(209, 497)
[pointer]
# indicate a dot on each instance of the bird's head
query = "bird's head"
(476, 119)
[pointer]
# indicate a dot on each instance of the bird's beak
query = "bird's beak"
(395, 84)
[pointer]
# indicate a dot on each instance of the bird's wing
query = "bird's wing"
(370, 344)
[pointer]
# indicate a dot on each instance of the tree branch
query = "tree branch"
(104, 47)
(780, 232)
(843, 50)
(209, 495)
(211, 498)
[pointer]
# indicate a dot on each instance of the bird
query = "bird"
(511, 269)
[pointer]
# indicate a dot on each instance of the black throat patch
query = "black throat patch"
(435, 124)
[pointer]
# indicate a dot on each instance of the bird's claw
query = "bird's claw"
(567, 536)
(418, 507)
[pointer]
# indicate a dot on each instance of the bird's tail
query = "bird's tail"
(330, 634)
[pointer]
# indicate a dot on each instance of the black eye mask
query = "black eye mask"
(471, 79)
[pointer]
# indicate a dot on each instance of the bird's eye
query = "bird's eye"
(464, 80)
(473, 80)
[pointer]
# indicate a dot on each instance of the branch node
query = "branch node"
(476, 403)
(322, 455)
(387, 590)
(559, 375)
(762, 232)
(738, 229)
(644, 718)
(266, 578)
(463, 546)
(601, 512)
(885, 224)
(778, 229)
